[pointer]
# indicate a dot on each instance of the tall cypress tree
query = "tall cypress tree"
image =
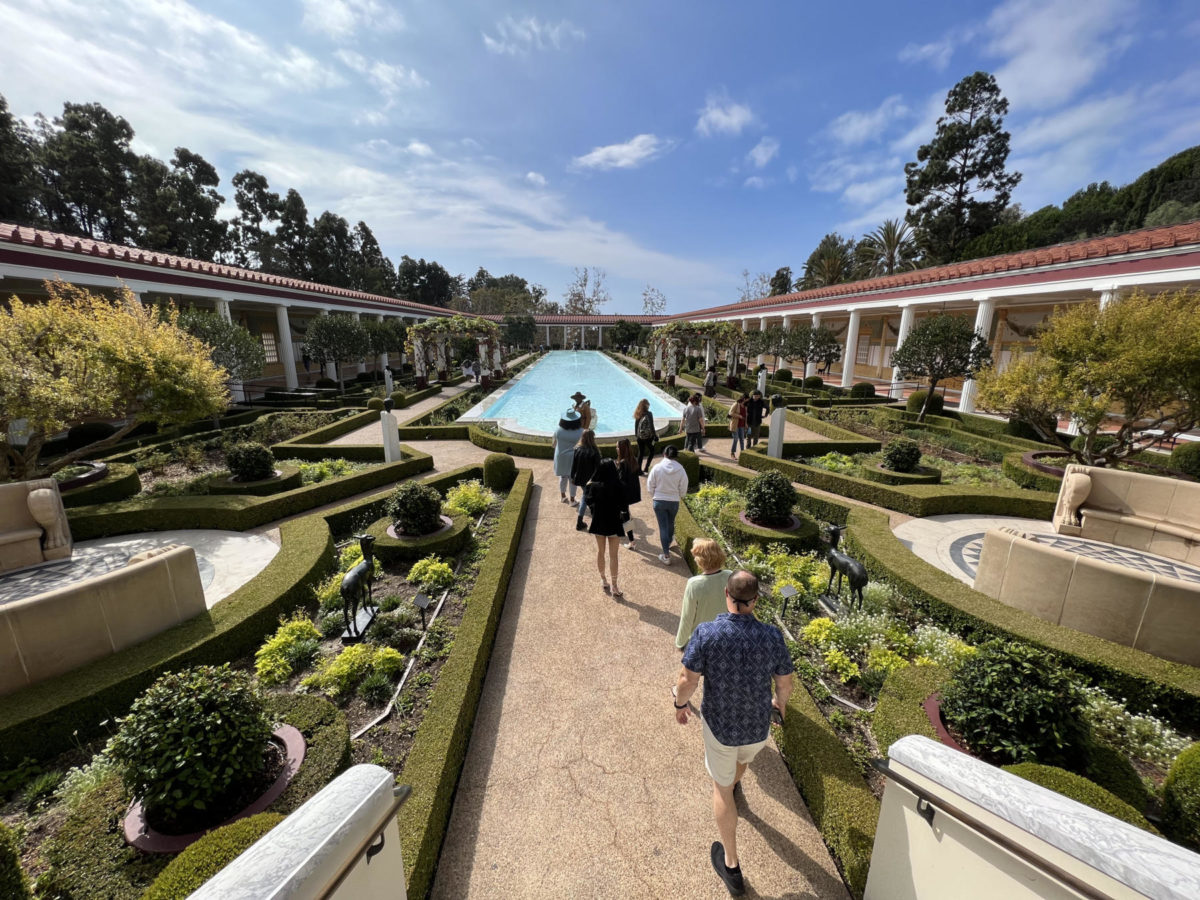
(958, 186)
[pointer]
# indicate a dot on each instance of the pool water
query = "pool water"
(541, 394)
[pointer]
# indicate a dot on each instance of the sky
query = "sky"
(674, 143)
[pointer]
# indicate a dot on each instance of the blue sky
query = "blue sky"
(670, 143)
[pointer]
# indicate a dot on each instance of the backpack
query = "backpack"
(645, 431)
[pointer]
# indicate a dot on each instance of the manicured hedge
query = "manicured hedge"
(1082, 790)
(435, 432)
(358, 515)
(417, 396)
(327, 735)
(806, 537)
(440, 745)
(899, 712)
(841, 440)
(234, 513)
(916, 500)
(920, 475)
(499, 443)
(1144, 680)
(389, 549)
(833, 788)
(56, 714)
(208, 856)
(122, 481)
(289, 479)
(1014, 467)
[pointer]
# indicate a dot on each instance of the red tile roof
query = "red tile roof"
(1147, 239)
(598, 319)
(36, 237)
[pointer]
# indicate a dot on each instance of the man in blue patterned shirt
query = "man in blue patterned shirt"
(739, 658)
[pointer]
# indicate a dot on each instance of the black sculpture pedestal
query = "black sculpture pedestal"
(362, 622)
(831, 604)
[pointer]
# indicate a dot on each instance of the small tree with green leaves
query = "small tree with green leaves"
(625, 332)
(520, 330)
(336, 339)
(811, 345)
(231, 346)
(941, 347)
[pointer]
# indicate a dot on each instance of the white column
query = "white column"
(906, 320)
(547, 337)
(787, 323)
(811, 368)
(850, 354)
(383, 357)
(1108, 295)
(564, 337)
(284, 346)
(599, 337)
(223, 310)
(762, 323)
(658, 356)
(330, 369)
(710, 354)
(745, 325)
(983, 325)
(362, 365)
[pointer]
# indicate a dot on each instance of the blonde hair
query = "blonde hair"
(708, 554)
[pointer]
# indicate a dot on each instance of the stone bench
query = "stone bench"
(63, 629)
(33, 525)
(1144, 512)
(1143, 610)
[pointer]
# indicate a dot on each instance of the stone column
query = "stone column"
(811, 368)
(547, 337)
(361, 366)
(497, 361)
(443, 364)
(658, 358)
(850, 354)
(983, 325)
(565, 337)
(284, 345)
(745, 326)
(599, 337)
(710, 354)
(383, 357)
(330, 369)
(906, 320)
(223, 310)
(1109, 295)
(419, 364)
(787, 323)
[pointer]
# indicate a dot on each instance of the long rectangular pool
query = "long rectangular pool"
(539, 396)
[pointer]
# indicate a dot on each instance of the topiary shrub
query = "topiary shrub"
(375, 403)
(769, 499)
(1013, 703)
(208, 856)
(192, 743)
(863, 389)
(325, 383)
(691, 464)
(13, 883)
(415, 509)
(88, 433)
(814, 382)
(1181, 798)
(784, 375)
(1185, 458)
(683, 395)
(249, 461)
(499, 471)
(901, 455)
(1112, 770)
(916, 401)
(1080, 789)
(398, 399)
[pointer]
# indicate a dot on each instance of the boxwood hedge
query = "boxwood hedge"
(440, 745)
(122, 481)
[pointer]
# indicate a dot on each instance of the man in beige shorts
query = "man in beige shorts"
(739, 658)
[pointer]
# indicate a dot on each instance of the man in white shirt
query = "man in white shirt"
(668, 485)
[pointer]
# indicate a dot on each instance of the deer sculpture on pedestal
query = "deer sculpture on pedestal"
(356, 585)
(840, 564)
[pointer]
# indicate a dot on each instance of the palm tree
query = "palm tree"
(831, 263)
(890, 248)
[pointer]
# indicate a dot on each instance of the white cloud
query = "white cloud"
(764, 151)
(628, 155)
(537, 179)
(419, 148)
(517, 37)
(859, 127)
(1089, 118)
(792, 174)
(924, 124)
(722, 116)
(936, 53)
(755, 181)
(342, 19)
(835, 174)
(866, 193)
(387, 78)
(1054, 48)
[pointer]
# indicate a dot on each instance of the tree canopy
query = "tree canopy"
(1138, 357)
(940, 347)
(79, 357)
(337, 339)
(958, 186)
(230, 346)
(586, 293)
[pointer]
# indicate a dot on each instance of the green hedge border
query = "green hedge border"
(918, 500)
(920, 475)
(804, 538)
(440, 746)
(121, 482)
(390, 549)
(899, 711)
(232, 512)
(499, 443)
(1026, 476)
(289, 479)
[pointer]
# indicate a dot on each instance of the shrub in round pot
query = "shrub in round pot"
(1013, 703)
(902, 455)
(192, 745)
(783, 375)
(769, 499)
(416, 509)
(814, 383)
(249, 461)
(916, 401)
(863, 389)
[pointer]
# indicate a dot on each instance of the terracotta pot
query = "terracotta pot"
(447, 524)
(933, 709)
(793, 523)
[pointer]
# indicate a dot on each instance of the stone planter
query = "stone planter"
(447, 540)
(140, 834)
(801, 532)
(286, 478)
(98, 471)
(933, 710)
(919, 475)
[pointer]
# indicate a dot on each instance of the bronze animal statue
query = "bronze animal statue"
(840, 564)
(356, 585)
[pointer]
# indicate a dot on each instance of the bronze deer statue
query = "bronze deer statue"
(840, 564)
(356, 585)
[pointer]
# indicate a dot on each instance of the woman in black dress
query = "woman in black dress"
(583, 467)
(647, 436)
(606, 498)
(627, 473)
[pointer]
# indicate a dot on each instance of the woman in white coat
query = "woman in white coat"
(566, 436)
